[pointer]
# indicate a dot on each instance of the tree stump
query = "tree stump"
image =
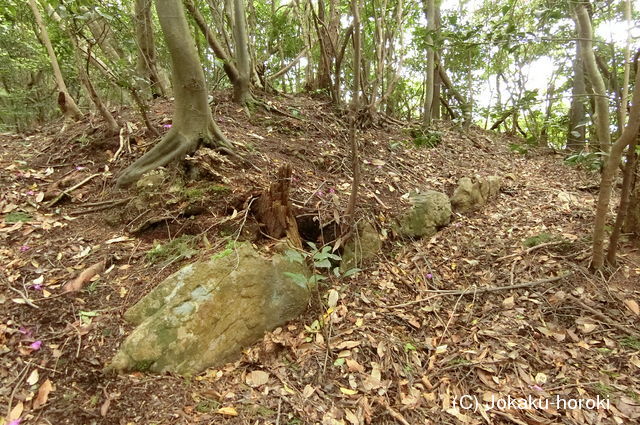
(274, 210)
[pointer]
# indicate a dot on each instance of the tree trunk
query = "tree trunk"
(585, 35)
(627, 67)
(220, 52)
(628, 136)
(65, 101)
(431, 63)
(241, 92)
(632, 222)
(83, 71)
(625, 196)
(577, 131)
(192, 120)
(147, 68)
(355, 107)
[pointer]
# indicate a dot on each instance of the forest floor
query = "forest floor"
(414, 338)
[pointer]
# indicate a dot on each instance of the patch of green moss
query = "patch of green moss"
(207, 405)
(181, 247)
(259, 412)
(16, 216)
(219, 188)
(193, 194)
(630, 342)
(603, 389)
(143, 365)
(538, 240)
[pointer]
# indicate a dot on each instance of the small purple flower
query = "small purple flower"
(24, 248)
(332, 191)
(320, 194)
(31, 193)
(536, 387)
(429, 276)
(167, 125)
(36, 287)
(35, 345)
(15, 422)
(79, 168)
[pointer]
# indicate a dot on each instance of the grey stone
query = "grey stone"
(206, 313)
(364, 245)
(471, 194)
(429, 212)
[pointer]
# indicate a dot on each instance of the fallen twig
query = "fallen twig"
(606, 319)
(475, 290)
(100, 206)
(71, 189)
(533, 248)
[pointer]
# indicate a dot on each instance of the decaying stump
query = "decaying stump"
(274, 210)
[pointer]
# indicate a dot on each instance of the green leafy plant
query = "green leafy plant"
(320, 259)
(423, 138)
(589, 160)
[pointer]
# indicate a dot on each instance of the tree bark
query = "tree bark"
(66, 102)
(274, 210)
(431, 66)
(192, 120)
(627, 67)
(355, 107)
(577, 131)
(628, 136)
(241, 92)
(585, 35)
(625, 196)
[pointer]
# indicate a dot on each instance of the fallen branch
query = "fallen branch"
(533, 248)
(475, 290)
(71, 189)
(99, 206)
(606, 319)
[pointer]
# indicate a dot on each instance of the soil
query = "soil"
(394, 348)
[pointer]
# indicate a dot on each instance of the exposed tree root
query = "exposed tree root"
(175, 145)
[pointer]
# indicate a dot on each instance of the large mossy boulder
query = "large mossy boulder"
(364, 244)
(206, 313)
(429, 211)
(471, 194)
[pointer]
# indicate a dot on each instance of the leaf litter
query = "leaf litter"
(496, 305)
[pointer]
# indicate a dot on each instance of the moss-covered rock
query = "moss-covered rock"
(429, 212)
(364, 245)
(207, 312)
(471, 194)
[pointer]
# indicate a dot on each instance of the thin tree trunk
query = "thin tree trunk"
(241, 93)
(220, 52)
(66, 102)
(147, 67)
(628, 136)
(355, 107)
(577, 131)
(83, 72)
(585, 35)
(431, 65)
(627, 66)
(625, 196)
